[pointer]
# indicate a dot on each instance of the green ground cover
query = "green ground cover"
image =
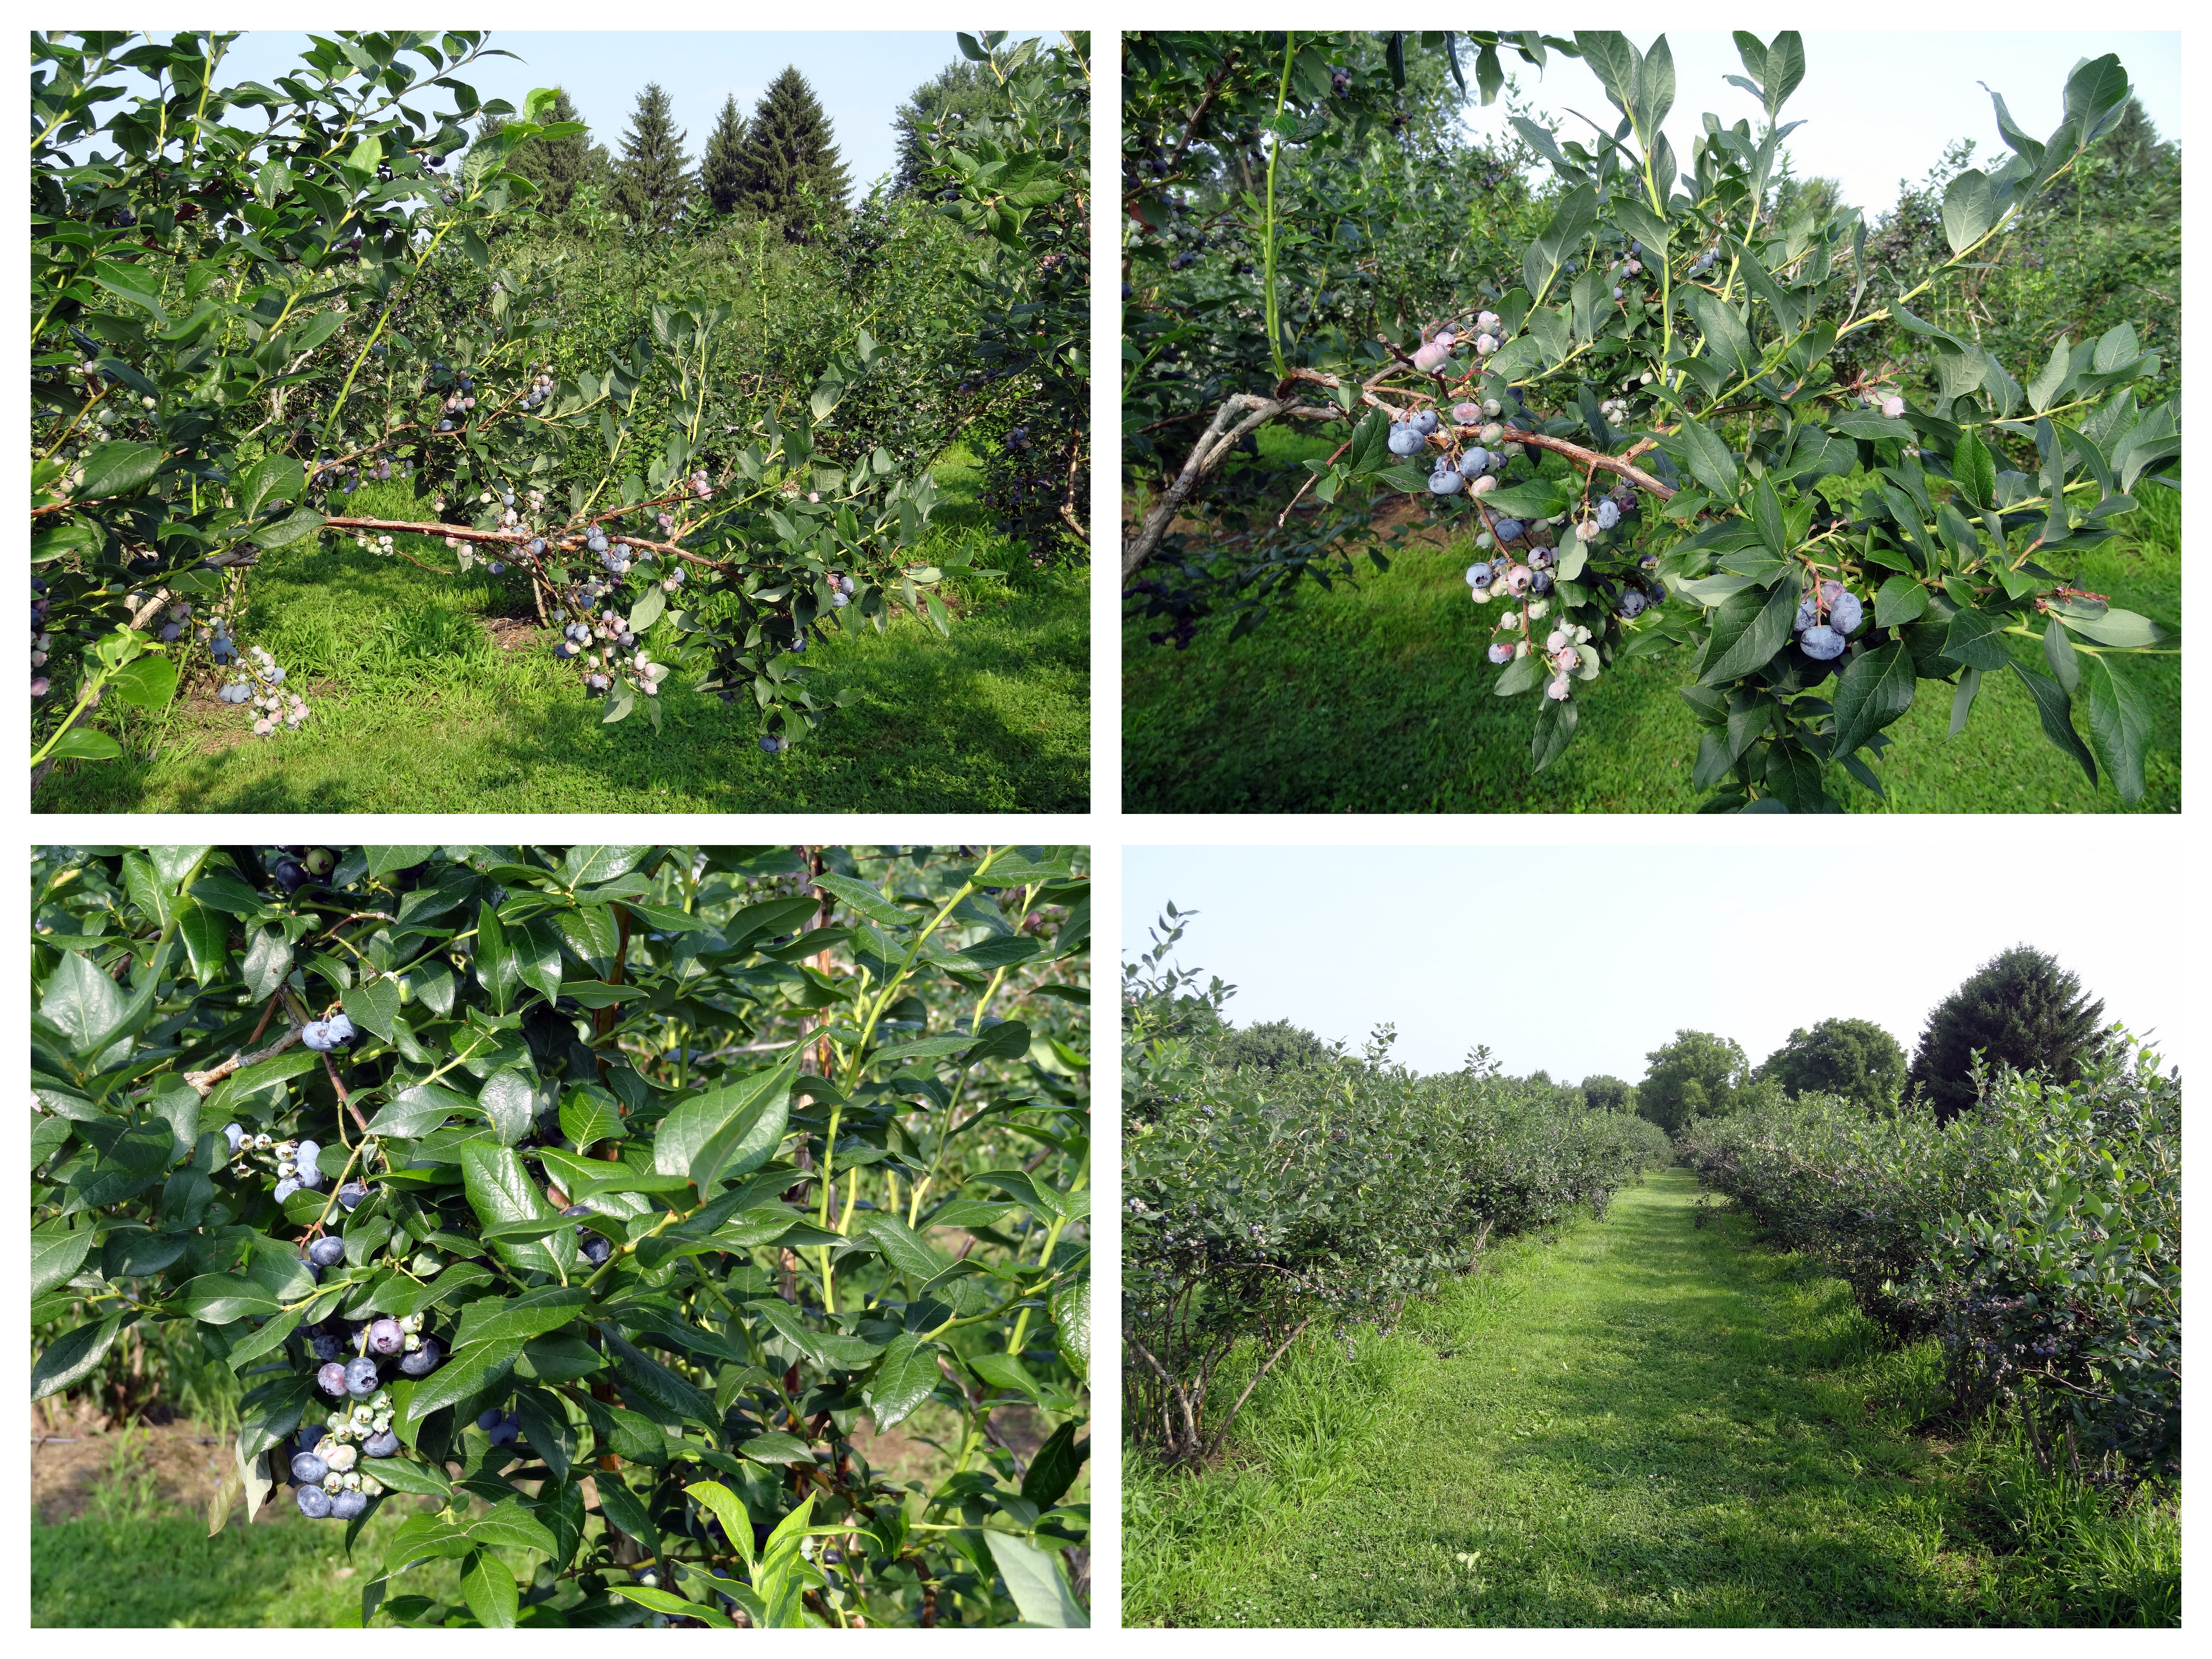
(1645, 1421)
(419, 708)
(1378, 698)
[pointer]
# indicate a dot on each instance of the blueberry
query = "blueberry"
(328, 1347)
(1508, 530)
(1541, 582)
(596, 1250)
(234, 1134)
(290, 875)
(326, 1252)
(1808, 613)
(1405, 440)
(316, 1034)
(1478, 576)
(351, 1195)
(1501, 653)
(1631, 605)
(1425, 420)
(424, 1360)
(361, 1377)
(769, 745)
(380, 1445)
(349, 1505)
(285, 1189)
(341, 1031)
(1821, 644)
(308, 1469)
(1845, 613)
(385, 1337)
(1474, 461)
(576, 1210)
(332, 1378)
(1539, 558)
(1444, 481)
(1608, 514)
(314, 1503)
(490, 1420)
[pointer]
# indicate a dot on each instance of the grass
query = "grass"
(132, 1560)
(1378, 698)
(1643, 1422)
(417, 709)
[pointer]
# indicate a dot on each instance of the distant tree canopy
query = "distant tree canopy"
(791, 156)
(1274, 1045)
(722, 174)
(652, 179)
(1853, 1058)
(959, 88)
(1698, 1074)
(2021, 1008)
(1608, 1094)
(561, 167)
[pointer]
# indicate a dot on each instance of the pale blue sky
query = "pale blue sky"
(1878, 107)
(860, 78)
(1582, 959)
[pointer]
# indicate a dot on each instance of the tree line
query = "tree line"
(781, 163)
(2021, 1009)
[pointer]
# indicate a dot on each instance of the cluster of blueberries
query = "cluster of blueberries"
(1823, 638)
(541, 388)
(332, 1461)
(259, 687)
(41, 640)
(294, 1165)
(593, 1246)
(302, 865)
(1434, 356)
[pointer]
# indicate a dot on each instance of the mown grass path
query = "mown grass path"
(1643, 1422)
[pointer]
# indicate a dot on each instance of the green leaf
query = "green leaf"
(860, 896)
(57, 1254)
(1744, 640)
(267, 960)
(509, 1100)
(2122, 628)
(1976, 472)
(1976, 639)
(588, 1116)
(2120, 721)
(488, 1589)
(1900, 600)
(1055, 1465)
(777, 1447)
(726, 1132)
(372, 1005)
(470, 1370)
(420, 1110)
(1071, 1319)
(117, 469)
(83, 743)
(647, 1383)
(225, 1298)
(71, 1357)
(499, 1189)
(621, 1509)
(145, 682)
(389, 861)
(1969, 209)
(1033, 1579)
(1555, 729)
(2052, 706)
(1875, 689)
(510, 1526)
(675, 1607)
(903, 1378)
(2059, 652)
(1709, 460)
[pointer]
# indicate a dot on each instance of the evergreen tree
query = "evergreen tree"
(789, 148)
(1854, 1058)
(721, 175)
(2020, 1009)
(652, 179)
(957, 90)
(558, 166)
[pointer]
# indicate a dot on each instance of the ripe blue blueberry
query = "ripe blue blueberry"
(1445, 480)
(1478, 576)
(1541, 582)
(769, 745)
(361, 1377)
(1821, 644)
(1631, 605)
(424, 1360)
(490, 1420)
(285, 1189)
(1608, 514)
(328, 1347)
(317, 1036)
(385, 1337)
(1475, 462)
(1508, 530)
(1808, 613)
(351, 1195)
(1425, 420)
(380, 1445)
(308, 1469)
(314, 1503)
(1845, 613)
(327, 1251)
(234, 1134)
(1405, 440)
(348, 1506)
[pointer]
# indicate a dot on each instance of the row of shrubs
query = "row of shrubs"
(1258, 1202)
(2037, 1237)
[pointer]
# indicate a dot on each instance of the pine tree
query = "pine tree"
(558, 166)
(789, 148)
(721, 175)
(959, 88)
(2020, 1009)
(654, 179)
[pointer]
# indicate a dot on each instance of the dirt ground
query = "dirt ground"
(72, 1455)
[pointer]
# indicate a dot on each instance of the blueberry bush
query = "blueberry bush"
(2037, 1237)
(1643, 413)
(591, 1201)
(1258, 1202)
(250, 301)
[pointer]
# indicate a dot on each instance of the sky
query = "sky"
(1878, 107)
(1458, 946)
(859, 78)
